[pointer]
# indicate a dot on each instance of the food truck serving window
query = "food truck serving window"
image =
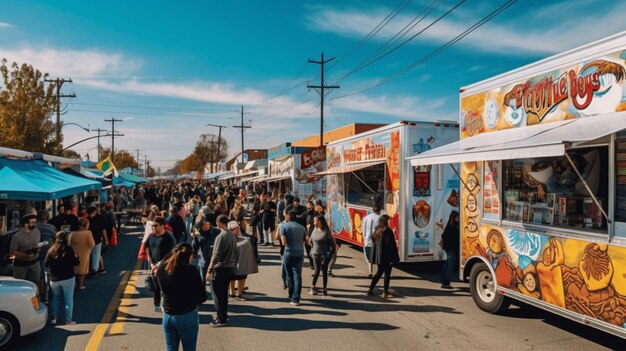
(547, 191)
(366, 185)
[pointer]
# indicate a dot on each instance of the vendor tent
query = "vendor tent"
(132, 178)
(36, 180)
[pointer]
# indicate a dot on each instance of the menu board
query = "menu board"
(491, 197)
(620, 169)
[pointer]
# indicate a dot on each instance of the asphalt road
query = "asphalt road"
(422, 316)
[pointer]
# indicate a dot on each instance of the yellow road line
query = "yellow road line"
(101, 328)
(124, 307)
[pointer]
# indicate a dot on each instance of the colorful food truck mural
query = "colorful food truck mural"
(543, 174)
(371, 168)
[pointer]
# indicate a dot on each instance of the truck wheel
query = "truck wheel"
(9, 329)
(483, 290)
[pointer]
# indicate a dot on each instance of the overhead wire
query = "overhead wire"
(434, 53)
(379, 56)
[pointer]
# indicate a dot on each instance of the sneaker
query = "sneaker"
(70, 323)
(103, 271)
(241, 298)
(324, 292)
(295, 303)
(53, 321)
(370, 292)
(330, 274)
(387, 295)
(217, 324)
(446, 286)
(157, 309)
(313, 291)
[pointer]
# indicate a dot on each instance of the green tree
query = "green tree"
(26, 107)
(123, 158)
(70, 154)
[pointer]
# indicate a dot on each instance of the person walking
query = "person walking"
(61, 259)
(384, 254)
(450, 244)
(178, 224)
(367, 228)
(322, 247)
(81, 241)
(292, 235)
(159, 245)
(268, 220)
(202, 244)
(25, 248)
(47, 233)
(182, 291)
(246, 262)
(97, 225)
(220, 270)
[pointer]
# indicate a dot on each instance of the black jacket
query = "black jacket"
(385, 250)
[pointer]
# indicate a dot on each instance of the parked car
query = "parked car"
(21, 312)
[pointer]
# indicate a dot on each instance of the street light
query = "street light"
(76, 124)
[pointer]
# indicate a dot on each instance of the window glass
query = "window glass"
(491, 193)
(366, 186)
(547, 191)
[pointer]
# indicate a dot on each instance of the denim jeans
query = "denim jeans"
(181, 328)
(94, 261)
(293, 266)
(219, 292)
(189, 225)
(448, 266)
(63, 291)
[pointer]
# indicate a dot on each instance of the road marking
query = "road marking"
(124, 307)
(101, 328)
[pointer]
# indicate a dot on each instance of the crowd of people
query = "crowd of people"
(198, 233)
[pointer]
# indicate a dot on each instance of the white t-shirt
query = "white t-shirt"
(367, 228)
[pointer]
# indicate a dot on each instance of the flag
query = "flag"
(107, 167)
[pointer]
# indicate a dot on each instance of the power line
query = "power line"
(435, 52)
(373, 58)
(321, 88)
(242, 127)
(373, 32)
(113, 120)
(158, 107)
(172, 113)
(59, 83)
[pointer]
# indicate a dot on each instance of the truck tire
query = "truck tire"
(483, 290)
(9, 329)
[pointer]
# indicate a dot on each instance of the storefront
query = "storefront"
(543, 155)
(370, 168)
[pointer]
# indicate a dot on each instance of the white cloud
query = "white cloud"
(518, 35)
(6, 25)
(399, 106)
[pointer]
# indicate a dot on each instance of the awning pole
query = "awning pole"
(587, 187)
(458, 175)
(364, 183)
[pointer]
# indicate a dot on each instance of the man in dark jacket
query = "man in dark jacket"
(202, 243)
(450, 244)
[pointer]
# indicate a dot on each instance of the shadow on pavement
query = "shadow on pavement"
(296, 324)
(58, 337)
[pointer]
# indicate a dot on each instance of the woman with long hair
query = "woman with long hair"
(182, 291)
(323, 245)
(384, 254)
(82, 242)
(61, 260)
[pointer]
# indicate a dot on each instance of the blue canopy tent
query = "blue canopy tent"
(128, 177)
(36, 180)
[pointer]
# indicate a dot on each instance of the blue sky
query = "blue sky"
(167, 69)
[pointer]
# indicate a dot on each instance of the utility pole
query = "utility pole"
(99, 131)
(59, 82)
(211, 167)
(113, 120)
(321, 88)
(137, 159)
(145, 165)
(219, 140)
(242, 127)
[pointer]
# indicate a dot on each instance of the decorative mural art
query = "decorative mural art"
(356, 217)
(588, 88)
(587, 278)
(392, 186)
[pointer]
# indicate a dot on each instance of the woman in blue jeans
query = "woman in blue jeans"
(61, 260)
(182, 291)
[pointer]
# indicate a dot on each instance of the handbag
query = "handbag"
(142, 252)
(113, 242)
(150, 282)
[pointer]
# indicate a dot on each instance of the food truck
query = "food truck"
(543, 178)
(370, 168)
(292, 170)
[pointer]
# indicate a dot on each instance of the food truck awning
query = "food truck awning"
(36, 180)
(536, 141)
(259, 178)
(277, 178)
(349, 168)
